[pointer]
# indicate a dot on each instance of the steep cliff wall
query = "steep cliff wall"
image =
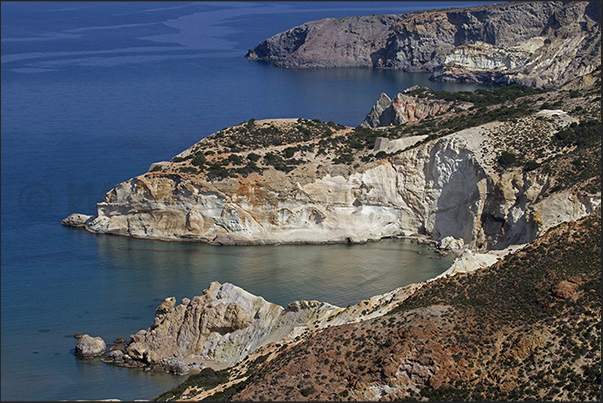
(350, 42)
(534, 43)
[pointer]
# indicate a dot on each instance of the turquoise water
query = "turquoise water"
(93, 93)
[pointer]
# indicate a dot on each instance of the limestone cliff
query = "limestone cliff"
(301, 181)
(534, 43)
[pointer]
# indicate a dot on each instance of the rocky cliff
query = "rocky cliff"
(534, 43)
(404, 108)
(466, 174)
(226, 324)
(352, 42)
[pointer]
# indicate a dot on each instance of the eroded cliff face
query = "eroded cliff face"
(351, 42)
(538, 43)
(301, 181)
(447, 187)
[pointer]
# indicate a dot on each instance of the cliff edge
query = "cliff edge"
(541, 44)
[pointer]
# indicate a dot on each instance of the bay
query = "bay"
(93, 93)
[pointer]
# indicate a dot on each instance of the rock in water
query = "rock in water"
(76, 220)
(89, 347)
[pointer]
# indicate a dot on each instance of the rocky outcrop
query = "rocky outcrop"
(488, 335)
(407, 106)
(331, 42)
(533, 43)
(226, 324)
(300, 181)
(90, 347)
(76, 220)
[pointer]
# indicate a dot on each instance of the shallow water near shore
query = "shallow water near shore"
(92, 94)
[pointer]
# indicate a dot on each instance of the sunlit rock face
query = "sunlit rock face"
(447, 187)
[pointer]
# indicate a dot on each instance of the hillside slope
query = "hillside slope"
(540, 44)
(525, 328)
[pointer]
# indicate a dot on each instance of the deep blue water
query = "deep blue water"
(92, 94)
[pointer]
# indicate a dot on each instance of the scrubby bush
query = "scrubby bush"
(198, 159)
(507, 159)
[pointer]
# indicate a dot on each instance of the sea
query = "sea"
(92, 93)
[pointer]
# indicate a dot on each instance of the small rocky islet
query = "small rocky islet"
(508, 179)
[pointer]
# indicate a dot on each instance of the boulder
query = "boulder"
(89, 347)
(564, 289)
(174, 366)
(166, 306)
(451, 243)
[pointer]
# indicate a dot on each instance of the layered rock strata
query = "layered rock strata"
(534, 43)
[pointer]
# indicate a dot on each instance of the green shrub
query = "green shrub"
(307, 391)
(507, 159)
(289, 152)
(191, 170)
(380, 155)
(198, 159)
(530, 165)
(253, 157)
(235, 159)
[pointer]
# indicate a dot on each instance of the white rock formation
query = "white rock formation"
(447, 187)
(225, 324)
(484, 56)
(76, 220)
(391, 146)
